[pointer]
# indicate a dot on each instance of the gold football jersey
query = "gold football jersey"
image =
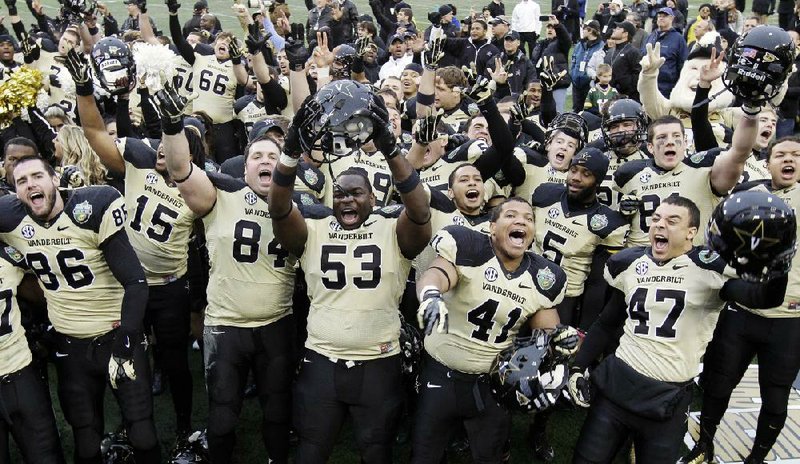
(570, 238)
(791, 302)
(355, 279)
(215, 85)
(182, 80)
(672, 310)
(538, 171)
(14, 351)
(690, 179)
(605, 192)
(377, 170)
(489, 304)
(84, 298)
(437, 175)
(251, 280)
(755, 169)
(159, 222)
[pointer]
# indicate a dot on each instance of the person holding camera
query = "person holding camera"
(135, 8)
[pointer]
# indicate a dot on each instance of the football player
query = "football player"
(217, 69)
(159, 226)
(356, 261)
(27, 411)
(75, 243)
(667, 298)
(702, 177)
(475, 297)
(768, 334)
(243, 329)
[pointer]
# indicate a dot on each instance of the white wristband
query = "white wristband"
(288, 161)
(425, 289)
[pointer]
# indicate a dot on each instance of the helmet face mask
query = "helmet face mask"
(619, 111)
(759, 63)
(571, 124)
(113, 66)
(755, 233)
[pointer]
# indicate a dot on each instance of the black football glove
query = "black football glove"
(580, 389)
(547, 74)
(297, 55)
(482, 90)
(30, 49)
(12, 7)
(426, 130)
(172, 105)
(362, 45)
(142, 6)
(565, 340)
(173, 6)
(629, 204)
(235, 51)
(432, 312)
(78, 67)
(434, 52)
(120, 365)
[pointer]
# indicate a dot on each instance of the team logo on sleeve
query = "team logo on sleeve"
(251, 198)
(310, 176)
(697, 157)
(642, 268)
(598, 222)
(28, 231)
(545, 278)
(391, 209)
(151, 178)
(13, 253)
(82, 212)
(490, 274)
(707, 256)
(644, 177)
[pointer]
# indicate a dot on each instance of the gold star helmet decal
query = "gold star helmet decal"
(749, 241)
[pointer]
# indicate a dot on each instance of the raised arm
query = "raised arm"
(704, 138)
(92, 122)
(729, 165)
(186, 50)
(194, 185)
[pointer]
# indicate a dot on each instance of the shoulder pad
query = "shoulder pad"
(703, 159)
(534, 157)
(310, 176)
(11, 212)
(628, 170)
(547, 194)
(241, 103)
(618, 262)
(226, 183)
(85, 206)
(549, 277)
(315, 211)
(473, 247)
(605, 220)
(753, 185)
(204, 49)
(389, 211)
(441, 202)
(138, 153)
(233, 167)
(708, 259)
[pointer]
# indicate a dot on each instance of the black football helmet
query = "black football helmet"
(117, 449)
(524, 370)
(759, 63)
(344, 56)
(339, 118)
(620, 110)
(193, 450)
(571, 124)
(754, 232)
(113, 65)
(410, 352)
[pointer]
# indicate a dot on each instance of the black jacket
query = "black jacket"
(520, 74)
(558, 49)
(466, 51)
(625, 69)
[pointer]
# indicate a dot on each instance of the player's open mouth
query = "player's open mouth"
(660, 243)
(265, 174)
(767, 134)
(349, 216)
(473, 194)
(517, 237)
(670, 153)
(560, 157)
(37, 198)
(787, 172)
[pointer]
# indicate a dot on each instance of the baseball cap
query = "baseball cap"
(512, 35)
(666, 10)
(416, 67)
(396, 37)
(6, 38)
(262, 127)
(445, 10)
(499, 20)
(629, 28)
(592, 159)
(593, 24)
(200, 5)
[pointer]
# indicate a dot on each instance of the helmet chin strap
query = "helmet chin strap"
(710, 97)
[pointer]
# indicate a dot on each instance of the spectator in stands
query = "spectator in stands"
(624, 60)
(318, 17)
(475, 53)
(134, 10)
(398, 58)
(556, 44)
(500, 28)
(568, 14)
(673, 49)
(581, 54)
(609, 15)
(520, 69)
(496, 8)
(525, 20)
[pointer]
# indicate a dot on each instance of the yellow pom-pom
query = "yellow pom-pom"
(18, 93)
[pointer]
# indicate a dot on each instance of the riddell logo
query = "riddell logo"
(753, 75)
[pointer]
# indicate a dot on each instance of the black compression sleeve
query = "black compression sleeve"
(124, 264)
(186, 50)
(755, 294)
(701, 127)
(603, 330)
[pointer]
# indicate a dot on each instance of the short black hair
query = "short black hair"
(359, 172)
(21, 142)
(497, 210)
(788, 138)
(694, 211)
(452, 177)
(260, 138)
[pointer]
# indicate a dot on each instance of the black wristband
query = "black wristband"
(93, 30)
(409, 184)
(284, 180)
(392, 154)
(425, 99)
(284, 215)
(84, 90)
(191, 170)
(237, 60)
(172, 127)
